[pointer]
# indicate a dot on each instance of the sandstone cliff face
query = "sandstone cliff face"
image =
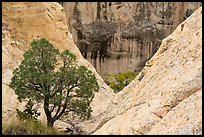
(21, 23)
(111, 34)
(167, 98)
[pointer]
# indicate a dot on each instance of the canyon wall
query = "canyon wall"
(22, 22)
(166, 97)
(121, 36)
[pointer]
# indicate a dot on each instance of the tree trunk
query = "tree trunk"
(50, 123)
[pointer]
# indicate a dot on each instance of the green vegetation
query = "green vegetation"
(27, 124)
(28, 127)
(118, 81)
(28, 113)
(53, 79)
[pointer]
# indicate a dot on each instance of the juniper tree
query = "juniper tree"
(53, 79)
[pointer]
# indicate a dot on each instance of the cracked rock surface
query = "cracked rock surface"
(21, 23)
(168, 99)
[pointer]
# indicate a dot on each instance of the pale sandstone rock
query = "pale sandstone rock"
(185, 118)
(169, 92)
(24, 21)
(173, 75)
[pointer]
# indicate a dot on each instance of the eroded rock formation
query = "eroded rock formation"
(168, 97)
(21, 23)
(121, 36)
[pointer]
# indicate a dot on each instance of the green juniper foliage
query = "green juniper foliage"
(54, 79)
(29, 112)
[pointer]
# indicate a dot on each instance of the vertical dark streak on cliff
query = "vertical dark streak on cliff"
(105, 12)
(98, 10)
(81, 43)
(136, 41)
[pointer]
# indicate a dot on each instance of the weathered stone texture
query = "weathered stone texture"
(128, 33)
(167, 100)
(21, 23)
